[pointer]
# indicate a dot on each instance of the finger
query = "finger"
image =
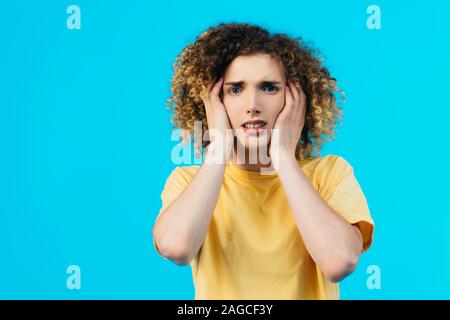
(284, 112)
(210, 86)
(205, 96)
(302, 99)
(289, 98)
(301, 93)
(206, 93)
(299, 100)
(295, 93)
(215, 91)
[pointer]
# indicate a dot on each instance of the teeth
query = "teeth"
(254, 126)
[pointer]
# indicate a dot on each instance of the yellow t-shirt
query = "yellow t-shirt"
(253, 249)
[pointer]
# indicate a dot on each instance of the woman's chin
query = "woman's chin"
(253, 144)
(253, 152)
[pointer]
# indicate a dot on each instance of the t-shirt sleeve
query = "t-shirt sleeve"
(341, 190)
(175, 184)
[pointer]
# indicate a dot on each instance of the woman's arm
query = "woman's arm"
(181, 229)
(334, 244)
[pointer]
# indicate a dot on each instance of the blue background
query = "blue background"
(85, 138)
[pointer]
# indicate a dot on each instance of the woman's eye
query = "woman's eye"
(272, 88)
(231, 90)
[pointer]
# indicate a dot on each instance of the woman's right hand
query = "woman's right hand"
(220, 132)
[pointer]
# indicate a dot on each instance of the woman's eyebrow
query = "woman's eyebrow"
(238, 83)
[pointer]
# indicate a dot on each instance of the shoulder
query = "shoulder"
(179, 177)
(328, 162)
(327, 170)
(333, 163)
(184, 172)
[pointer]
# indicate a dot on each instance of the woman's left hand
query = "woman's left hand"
(288, 125)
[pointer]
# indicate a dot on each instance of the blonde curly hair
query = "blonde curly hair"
(208, 57)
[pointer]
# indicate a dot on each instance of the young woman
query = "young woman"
(288, 228)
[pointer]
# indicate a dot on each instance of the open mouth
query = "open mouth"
(254, 128)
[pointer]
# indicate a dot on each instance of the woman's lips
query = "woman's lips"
(254, 132)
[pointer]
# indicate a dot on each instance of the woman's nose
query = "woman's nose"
(253, 110)
(253, 105)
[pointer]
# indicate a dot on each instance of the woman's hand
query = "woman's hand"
(221, 135)
(288, 125)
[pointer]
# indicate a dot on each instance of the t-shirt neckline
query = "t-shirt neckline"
(234, 170)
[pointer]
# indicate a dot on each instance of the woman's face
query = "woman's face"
(254, 90)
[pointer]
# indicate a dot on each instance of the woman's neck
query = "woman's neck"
(242, 160)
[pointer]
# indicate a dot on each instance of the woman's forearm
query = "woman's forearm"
(181, 229)
(333, 243)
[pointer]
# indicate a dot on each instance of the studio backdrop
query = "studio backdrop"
(86, 143)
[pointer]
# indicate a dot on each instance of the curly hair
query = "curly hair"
(208, 57)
